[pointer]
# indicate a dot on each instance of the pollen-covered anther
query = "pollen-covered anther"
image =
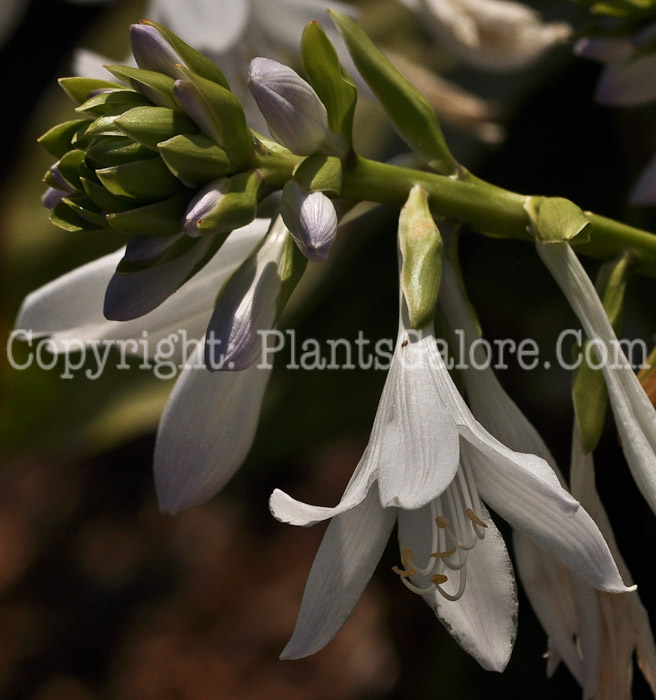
(441, 555)
(474, 518)
(442, 522)
(404, 572)
(438, 579)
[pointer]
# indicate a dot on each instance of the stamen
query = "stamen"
(474, 518)
(442, 522)
(452, 537)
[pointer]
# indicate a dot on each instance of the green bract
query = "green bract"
(409, 110)
(329, 79)
(420, 245)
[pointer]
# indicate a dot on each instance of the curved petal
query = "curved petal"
(547, 514)
(131, 295)
(634, 414)
(206, 432)
(347, 557)
(289, 510)
(414, 429)
(70, 307)
(547, 585)
(70, 301)
(484, 620)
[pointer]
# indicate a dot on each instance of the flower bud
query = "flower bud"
(420, 246)
(223, 205)
(311, 219)
(294, 113)
(251, 301)
(153, 52)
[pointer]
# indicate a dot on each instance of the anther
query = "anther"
(438, 579)
(474, 518)
(441, 555)
(442, 522)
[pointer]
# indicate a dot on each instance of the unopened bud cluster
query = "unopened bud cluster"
(166, 149)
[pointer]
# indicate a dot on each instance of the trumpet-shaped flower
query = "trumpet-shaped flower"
(594, 633)
(430, 465)
(491, 34)
(634, 414)
(210, 419)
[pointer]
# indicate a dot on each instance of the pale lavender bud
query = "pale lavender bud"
(629, 82)
(153, 52)
(311, 219)
(295, 115)
(51, 197)
(247, 305)
(203, 205)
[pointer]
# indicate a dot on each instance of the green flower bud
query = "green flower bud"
(223, 205)
(194, 159)
(150, 125)
(420, 246)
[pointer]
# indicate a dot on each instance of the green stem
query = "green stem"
(489, 209)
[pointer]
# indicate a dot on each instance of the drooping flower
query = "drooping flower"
(451, 552)
(635, 416)
(496, 35)
(593, 632)
(210, 420)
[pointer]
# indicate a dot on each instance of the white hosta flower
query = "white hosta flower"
(430, 464)
(209, 422)
(594, 633)
(295, 115)
(312, 220)
(634, 414)
(491, 34)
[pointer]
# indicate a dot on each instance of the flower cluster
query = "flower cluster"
(164, 159)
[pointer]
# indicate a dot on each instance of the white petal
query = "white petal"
(414, 429)
(349, 553)
(411, 471)
(547, 585)
(546, 513)
(69, 309)
(131, 295)
(634, 414)
(283, 21)
(205, 433)
(214, 25)
(484, 620)
(247, 305)
(72, 300)
(90, 64)
(289, 510)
